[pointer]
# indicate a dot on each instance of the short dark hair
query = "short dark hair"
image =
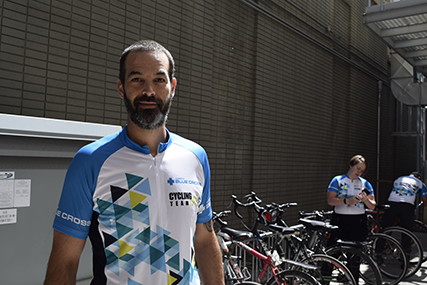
(357, 159)
(145, 45)
(416, 174)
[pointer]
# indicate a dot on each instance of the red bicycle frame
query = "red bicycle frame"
(266, 259)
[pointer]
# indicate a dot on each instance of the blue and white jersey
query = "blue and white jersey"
(406, 188)
(139, 211)
(345, 188)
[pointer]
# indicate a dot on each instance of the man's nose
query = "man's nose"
(148, 89)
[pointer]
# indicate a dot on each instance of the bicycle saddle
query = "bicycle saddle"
(352, 243)
(236, 234)
(317, 225)
(282, 230)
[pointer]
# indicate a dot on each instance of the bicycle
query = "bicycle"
(353, 255)
(391, 262)
(233, 274)
(409, 241)
(278, 277)
(420, 229)
(285, 245)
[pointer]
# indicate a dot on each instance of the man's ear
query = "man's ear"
(120, 89)
(173, 86)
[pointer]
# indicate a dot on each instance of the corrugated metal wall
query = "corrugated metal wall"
(281, 93)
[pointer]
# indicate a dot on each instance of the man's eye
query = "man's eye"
(136, 79)
(160, 80)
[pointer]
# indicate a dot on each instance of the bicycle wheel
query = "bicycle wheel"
(390, 257)
(419, 227)
(411, 245)
(420, 230)
(292, 277)
(362, 267)
(330, 270)
(248, 283)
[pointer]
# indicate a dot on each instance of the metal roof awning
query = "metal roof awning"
(403, 26)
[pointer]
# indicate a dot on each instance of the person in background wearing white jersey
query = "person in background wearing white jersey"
(402, 202)
(349, 194)
(142, 195)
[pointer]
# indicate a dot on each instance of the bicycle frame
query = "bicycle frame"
(267, 260)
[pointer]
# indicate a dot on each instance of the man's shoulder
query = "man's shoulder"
(102, 147)
(191, 146)
(406, 179)
(186, 143)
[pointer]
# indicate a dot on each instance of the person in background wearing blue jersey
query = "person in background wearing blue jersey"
(142, 195)
(348, 196)
(402, 203)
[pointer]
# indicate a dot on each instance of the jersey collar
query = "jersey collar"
(144, 149)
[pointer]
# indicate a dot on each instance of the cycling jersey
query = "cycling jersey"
(406, 188)
(139, 211)
(345, 188)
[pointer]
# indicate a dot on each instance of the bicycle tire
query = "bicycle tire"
(389, 256)
(363, 268)
(248, 283)
(420, 230)
(414, 253)
(292, 277)
(330, 270)
(419, 226)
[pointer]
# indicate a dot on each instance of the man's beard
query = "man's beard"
(149, 119)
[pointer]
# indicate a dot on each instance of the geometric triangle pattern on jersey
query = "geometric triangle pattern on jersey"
(174, 262)
(120, 211)
(108, 239)
(103, 205)
(124, 248)
(128, 238)
(117, 192)
(136, 199)
(186, 273)
(157, 260)
(170, 244)
(143, 188)
(132, 180)
(131, 282)
(174, 278)
(145, 236)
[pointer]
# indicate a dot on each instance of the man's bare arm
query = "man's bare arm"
(64, 259)
(208, 255)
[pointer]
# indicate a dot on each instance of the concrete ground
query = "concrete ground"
(421, 276)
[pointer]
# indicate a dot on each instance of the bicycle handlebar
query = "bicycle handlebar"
(237, 203)
(315, 214)
(217, 217)
(272, 212)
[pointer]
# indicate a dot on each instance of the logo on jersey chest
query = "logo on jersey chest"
(183, 181)
(180, 198)
(183, 198)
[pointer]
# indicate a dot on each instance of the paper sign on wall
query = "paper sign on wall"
(8, 216)
(14, 192)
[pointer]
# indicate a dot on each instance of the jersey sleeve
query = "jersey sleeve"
(369, 187)
(74, 213)
(205, 209)
(423, 192)
(333, 185)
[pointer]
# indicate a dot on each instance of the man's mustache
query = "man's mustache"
(145, 98)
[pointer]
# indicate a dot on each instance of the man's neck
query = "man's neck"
(150, 138)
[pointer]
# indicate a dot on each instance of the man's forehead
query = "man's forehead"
(153, 56)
